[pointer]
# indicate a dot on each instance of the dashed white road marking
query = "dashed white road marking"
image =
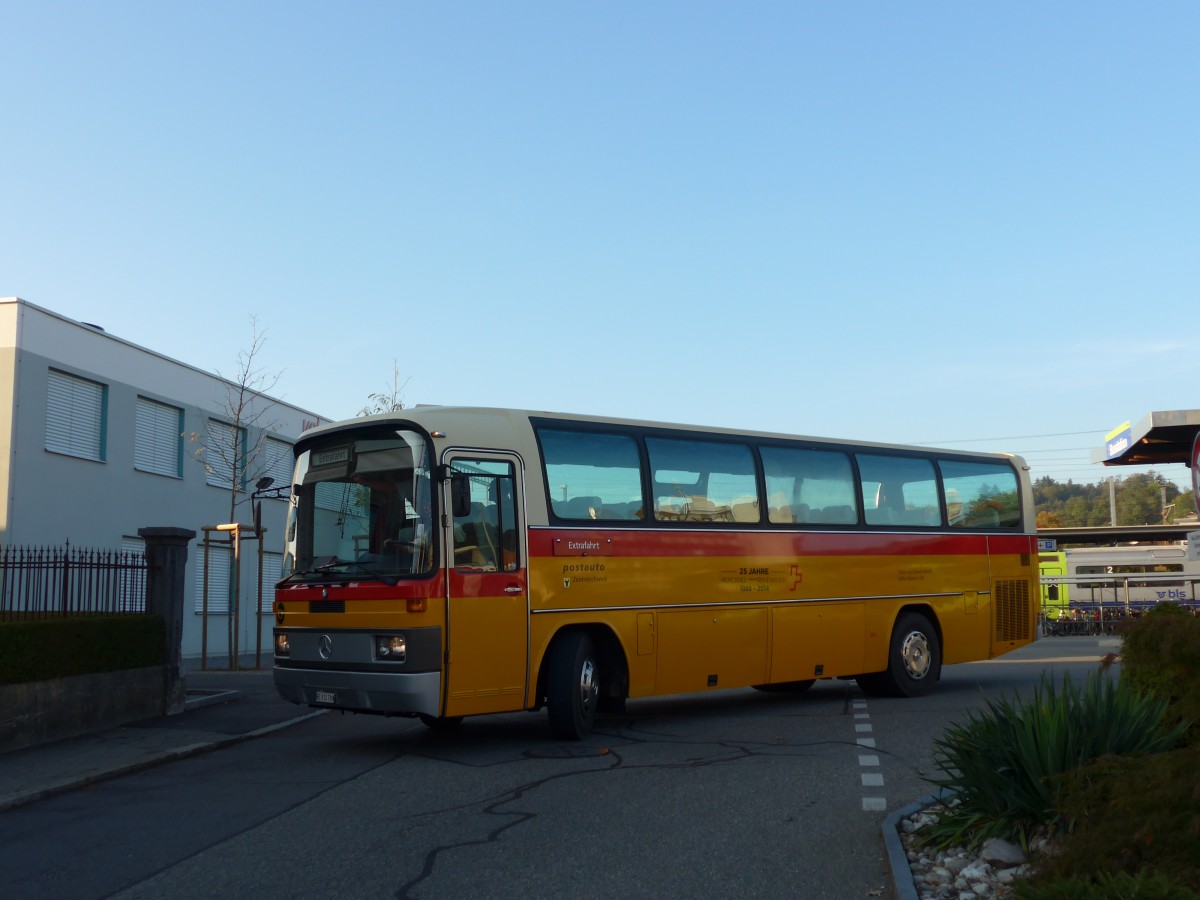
(868, 760)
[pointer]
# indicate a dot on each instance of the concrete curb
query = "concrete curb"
(198, 699)
(164, 756)
(897, 857)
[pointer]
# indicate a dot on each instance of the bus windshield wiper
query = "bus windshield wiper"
(326, 568)
(300, 573)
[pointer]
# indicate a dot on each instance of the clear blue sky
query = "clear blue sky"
(972, 224)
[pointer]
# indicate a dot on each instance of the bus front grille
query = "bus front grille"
(327, 606)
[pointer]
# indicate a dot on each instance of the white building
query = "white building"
(98, 438)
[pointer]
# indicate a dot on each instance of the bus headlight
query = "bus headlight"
(282, 647)
(391, 647)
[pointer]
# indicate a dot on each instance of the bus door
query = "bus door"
(487, 632)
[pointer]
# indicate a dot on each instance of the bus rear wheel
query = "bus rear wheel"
(572, 686)
(914, 660)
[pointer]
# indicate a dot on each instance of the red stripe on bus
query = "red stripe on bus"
(363, 590)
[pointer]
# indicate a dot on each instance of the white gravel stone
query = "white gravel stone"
(956, 874)
(1001, 853)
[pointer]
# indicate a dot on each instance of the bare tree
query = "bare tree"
(387, 400)
(232, 451)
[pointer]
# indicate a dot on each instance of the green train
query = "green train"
(1052, 566)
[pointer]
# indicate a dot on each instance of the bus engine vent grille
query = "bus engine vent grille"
(1013, 622)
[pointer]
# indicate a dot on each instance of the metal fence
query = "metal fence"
(41, 582)
(1095, 618)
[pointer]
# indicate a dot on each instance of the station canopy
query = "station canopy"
(1157, 439)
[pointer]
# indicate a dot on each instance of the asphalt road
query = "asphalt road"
(730, 793)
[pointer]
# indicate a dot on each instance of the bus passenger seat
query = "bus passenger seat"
(925, 515)
(838, 515)
(745, 509)
(983, 518)
(700, 509)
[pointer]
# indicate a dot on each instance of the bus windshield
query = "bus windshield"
(361, 508)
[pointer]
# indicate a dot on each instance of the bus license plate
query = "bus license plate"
(329, 697)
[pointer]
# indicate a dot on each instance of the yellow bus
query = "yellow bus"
(445, 562)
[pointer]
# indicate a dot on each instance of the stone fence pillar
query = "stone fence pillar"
(166, 557)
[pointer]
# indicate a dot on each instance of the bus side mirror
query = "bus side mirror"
(460, 494)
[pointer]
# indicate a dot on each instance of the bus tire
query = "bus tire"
(785, 687)
(572, 686)
(914, 660)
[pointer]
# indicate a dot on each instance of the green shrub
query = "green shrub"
(1160, 655)
(1000, 763)
(1130, 815)
(41, 649)
(1124, 886)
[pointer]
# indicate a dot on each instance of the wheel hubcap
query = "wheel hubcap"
(916, 656)
(587, 685)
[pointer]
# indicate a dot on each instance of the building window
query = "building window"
(278, 462)
(132, 582)
(225, 455)
(75, 416)
(272, 567)
(158, 438)
(219, 557)
(220, 587)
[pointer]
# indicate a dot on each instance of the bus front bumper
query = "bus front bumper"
(385, 693)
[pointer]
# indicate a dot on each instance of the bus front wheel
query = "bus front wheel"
(914, 660)
(572, 687)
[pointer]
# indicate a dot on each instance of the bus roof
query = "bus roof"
(494, 426)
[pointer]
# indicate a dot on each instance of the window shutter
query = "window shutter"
(272, 567)
(75, 416)
(279, 461)
(218, 579)
(133, 584)
(158, 438)
(219, 454)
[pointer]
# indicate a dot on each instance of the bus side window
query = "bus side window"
(485, 534)
(506, 524)
(474, 543)
(981, 494)
(808, 486)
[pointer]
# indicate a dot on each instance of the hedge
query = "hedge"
(42, 649)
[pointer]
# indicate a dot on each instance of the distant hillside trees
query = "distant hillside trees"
(1141, 500)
